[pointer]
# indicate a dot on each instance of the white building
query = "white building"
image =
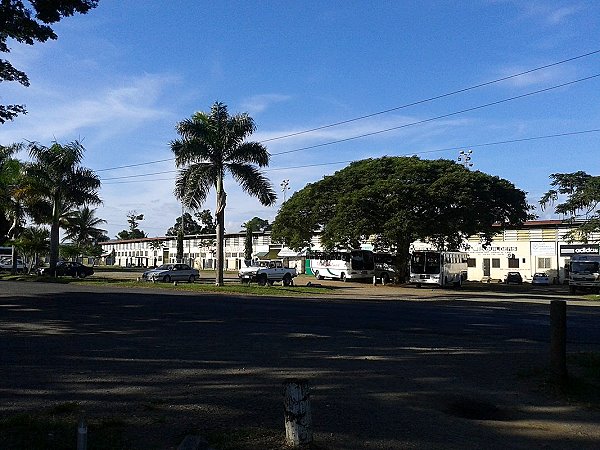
(536, 246)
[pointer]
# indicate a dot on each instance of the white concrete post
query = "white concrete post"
(82, 435)
(297, 414)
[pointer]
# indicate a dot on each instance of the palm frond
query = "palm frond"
(253, 182)
(250, 153)
(193, 183)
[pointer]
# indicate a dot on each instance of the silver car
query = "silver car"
(172, 272)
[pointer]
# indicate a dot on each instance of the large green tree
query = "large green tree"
(204, 225)
(28, 24)
(57, 181)
(210, 146)
(11, 184)
(257, 224)
(397, 200)
(134, 232)
(12, 194)
(576, 196)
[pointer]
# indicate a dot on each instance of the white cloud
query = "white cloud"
(551, 75)
(545, 12)
(63, 114)
(259, 103)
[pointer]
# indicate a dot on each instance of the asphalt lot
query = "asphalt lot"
(421, 369)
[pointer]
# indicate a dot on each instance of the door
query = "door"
(486, 267)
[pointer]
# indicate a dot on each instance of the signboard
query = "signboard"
(543, 249)
(579, 249)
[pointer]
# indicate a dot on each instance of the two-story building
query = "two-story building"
(536, 246)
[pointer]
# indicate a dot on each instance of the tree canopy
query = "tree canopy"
(206, 224)
(394, 201)
(134, 232)
(256, 224)
(28, 25)
(577, 196)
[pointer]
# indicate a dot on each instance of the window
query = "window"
(544, 263)
(471, 262)
(513, 263)
(495, 263)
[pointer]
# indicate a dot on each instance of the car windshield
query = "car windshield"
(165, 267)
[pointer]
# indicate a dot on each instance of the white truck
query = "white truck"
(584, 273)
(267, 272)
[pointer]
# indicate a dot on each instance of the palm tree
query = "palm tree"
(212, 145)
(32, 242)
(81, 226)
(12, 193)
(57, 181)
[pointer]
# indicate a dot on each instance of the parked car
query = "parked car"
(69, 268)
(540, 278)
(513, 277)
(6, 264)
(171, 272)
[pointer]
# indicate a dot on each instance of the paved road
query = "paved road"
(423, 373)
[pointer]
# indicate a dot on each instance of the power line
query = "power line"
(445, 149)
(443, 116)
(406, 125)
(140, 175)
(430, 99)
(135, 165)
(418, 102)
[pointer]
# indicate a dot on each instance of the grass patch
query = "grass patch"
(233, 288)
(204, 286)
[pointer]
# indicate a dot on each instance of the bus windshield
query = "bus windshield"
(425, 262)
(362, 260)
(584, 267)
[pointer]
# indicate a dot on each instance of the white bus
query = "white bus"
(584, 273)
(438, 268)
(342, 265)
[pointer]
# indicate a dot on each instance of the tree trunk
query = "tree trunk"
(220, 217)
(402, 258)
(54, 236)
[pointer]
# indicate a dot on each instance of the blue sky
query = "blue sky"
(119, 79)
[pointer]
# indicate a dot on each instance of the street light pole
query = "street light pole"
(285, 186)
(464, 158)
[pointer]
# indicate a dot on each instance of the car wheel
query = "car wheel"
(343, 277)
(167, 279)
(317, 276)
(287, 280)
(262, 280)
(418, 285)
(192, 279)
(82, 275)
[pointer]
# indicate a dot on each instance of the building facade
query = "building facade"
(536, 246)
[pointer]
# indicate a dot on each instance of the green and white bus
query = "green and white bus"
(341, 265)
